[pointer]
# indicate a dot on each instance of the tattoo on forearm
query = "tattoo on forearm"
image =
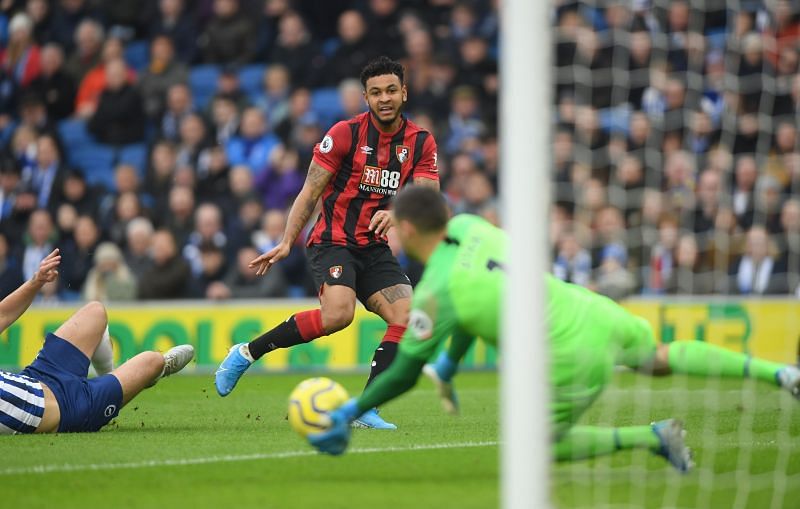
(396, 292)
(426, 183)
(303, 206)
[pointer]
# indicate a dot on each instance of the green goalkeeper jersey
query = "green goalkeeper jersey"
(460, 296)
(462, 287)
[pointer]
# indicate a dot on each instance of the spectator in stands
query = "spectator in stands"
(680, 172)
(89, 38)
(354, 50)
(478, 195)
(109, 279)
(212, 176)
(613, 279)
(253, 146)
(179, 218)
(94, 82)
(299, 107)
(33, 113)
(274, 101)
(159, 175)
(39, 241)
(53, 85)
(138, 239)
(382, 19)
(39, 13)
(176, 23)
(212, 268)
(224, 119)
(464, 121)
(10, 270)
(722, 249)
(20, 61)
(162, 72)
(119, 118)
(294, 49)
(768, 201)
(42, 180)
(788, 242)
(246, 218)
(688, 277)
(662, 256)
(573, 262)
(229, 37)
(193, 141)
(169, 276)
(67, 18)
(758, 270)
(77, 256)
(281, 181)
(76, 193)
(208, 232)
(179, 105)
(229, 85)
(273, 225)
(708, 196)
(241, 281)
(127, 207)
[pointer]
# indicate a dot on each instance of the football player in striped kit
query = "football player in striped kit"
(53, 394)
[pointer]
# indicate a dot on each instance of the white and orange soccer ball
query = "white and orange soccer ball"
(311, 401)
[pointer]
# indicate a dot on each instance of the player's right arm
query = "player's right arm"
(328, 155)
(299, 214)
(20, 299)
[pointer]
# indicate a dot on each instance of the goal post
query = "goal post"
(525, 118)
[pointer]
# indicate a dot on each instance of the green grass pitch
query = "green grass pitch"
(180, 445)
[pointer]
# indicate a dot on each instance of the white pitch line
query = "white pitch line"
(46, 469)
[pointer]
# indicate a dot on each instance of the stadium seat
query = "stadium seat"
(250, 80)
(74, 134)
(97, 163)
(137, 55)
(203, 82)
(325, 103)
(134, 154)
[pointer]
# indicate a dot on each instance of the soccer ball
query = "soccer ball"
(310, 402)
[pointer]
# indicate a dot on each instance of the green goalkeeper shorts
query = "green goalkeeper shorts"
(583, 358)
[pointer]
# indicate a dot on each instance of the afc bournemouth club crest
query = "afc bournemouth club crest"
(336, 271)
(401, 151)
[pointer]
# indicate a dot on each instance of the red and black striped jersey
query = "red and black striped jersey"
(368, 168)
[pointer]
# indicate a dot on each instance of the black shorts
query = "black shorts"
(366, 270)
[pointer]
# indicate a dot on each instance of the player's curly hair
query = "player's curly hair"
(422, 206)
(380, 66)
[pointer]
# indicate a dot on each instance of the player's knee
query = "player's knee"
(154, 362)
(337, 318)
(97, 311)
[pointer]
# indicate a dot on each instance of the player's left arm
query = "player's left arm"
(20, 299)
(426, 171)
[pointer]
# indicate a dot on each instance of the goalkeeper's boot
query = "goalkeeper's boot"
(371, 420)
(670, 433)
(789, 379)
(175, 360)
(231, 369)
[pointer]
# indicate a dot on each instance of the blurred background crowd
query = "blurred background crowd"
(159, 143)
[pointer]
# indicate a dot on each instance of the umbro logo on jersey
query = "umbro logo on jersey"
(366, 149)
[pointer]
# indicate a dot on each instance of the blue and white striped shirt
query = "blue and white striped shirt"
(21, 404)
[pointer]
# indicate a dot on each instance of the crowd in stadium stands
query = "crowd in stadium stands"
(676, 155)
(159, 143)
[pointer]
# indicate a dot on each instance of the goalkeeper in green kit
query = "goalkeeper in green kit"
(459, 297)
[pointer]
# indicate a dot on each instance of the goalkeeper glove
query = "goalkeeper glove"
(336, 438)
(441, 374)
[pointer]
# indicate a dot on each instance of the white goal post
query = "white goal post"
(525, 117)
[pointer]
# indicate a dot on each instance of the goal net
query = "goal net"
(676, 191)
